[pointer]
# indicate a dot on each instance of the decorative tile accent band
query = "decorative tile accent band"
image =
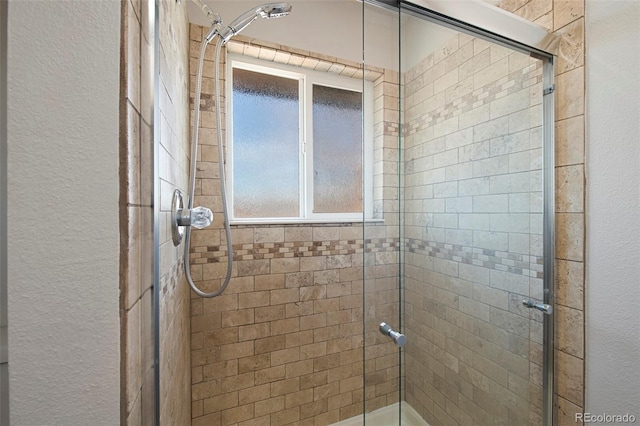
(520, 264)
(512, 83)
(171, 279)
(278, 250)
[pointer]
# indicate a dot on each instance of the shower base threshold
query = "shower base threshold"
(387, 416)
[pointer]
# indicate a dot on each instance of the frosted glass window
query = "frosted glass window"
(337, 150)
(265, 145)
(300, 144)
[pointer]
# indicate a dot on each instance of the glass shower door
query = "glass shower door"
(382, 239)
(456, 254)
(472, 226)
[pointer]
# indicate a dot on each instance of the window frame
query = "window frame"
(306, 80)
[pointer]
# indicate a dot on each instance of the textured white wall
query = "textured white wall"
(63, 87)
(332, 27)
(613, 207)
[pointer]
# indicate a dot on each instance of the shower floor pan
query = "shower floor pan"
(387, 416)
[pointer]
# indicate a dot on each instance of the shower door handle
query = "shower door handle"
(399, 338)
(543, 307)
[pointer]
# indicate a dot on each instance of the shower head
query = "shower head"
(267, 11)
(274, 10)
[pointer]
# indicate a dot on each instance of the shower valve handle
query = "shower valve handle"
(200, 217)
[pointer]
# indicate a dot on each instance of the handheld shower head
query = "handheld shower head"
(267, 11)
(274, 10)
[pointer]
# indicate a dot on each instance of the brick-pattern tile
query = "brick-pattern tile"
(295, 353)
(284, 344)
(136, 212)
(137, 227)
(175, 299)
(473, 235)
(567, 17)
(472, 221)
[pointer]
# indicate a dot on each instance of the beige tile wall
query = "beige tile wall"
(473, 226)
(136, 171)
(566, 18)
(254, 277)
(136, 214)
(175, 366)
(284, 343)
(381, 284)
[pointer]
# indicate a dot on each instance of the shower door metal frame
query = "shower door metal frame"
(520, 44)
(156, 212)
(548, 129)
(4, 348)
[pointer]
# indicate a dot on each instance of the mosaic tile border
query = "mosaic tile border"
(512, 83)
(291, 249)
(520, 264)
(170, 280)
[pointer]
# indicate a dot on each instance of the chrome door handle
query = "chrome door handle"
(399, 338)
(543, 307)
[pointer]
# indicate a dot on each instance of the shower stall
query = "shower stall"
(386, 162)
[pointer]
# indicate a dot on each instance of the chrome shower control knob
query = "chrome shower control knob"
(198, 217)
(201, 217)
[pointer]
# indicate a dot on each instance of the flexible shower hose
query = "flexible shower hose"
(192, 171)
